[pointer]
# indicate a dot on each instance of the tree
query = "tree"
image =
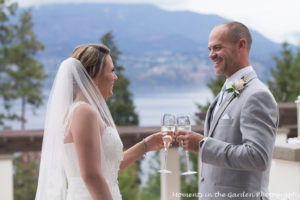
(7, 10)
(25, 73)
(129, 182)
(152, 190)
(120, 104)
(285, 80)
(189, 184)
(122, 110)
(26, 173)
(21, 78)
(215, 85)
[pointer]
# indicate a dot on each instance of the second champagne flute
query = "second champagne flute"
(168, 124)
(184, 124)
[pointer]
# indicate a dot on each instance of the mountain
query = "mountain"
(160, 48)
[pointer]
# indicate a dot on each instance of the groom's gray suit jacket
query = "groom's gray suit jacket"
(236, 157)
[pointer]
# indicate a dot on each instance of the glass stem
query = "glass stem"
(187, 160)
(166, 155)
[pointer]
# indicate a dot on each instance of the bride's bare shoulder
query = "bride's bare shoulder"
(84, 112)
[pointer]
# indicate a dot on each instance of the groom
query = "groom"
(240, 126)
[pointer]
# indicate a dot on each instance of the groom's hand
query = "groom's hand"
(189, 140)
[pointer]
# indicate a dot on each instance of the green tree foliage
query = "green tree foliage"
(122, 110)
(25, 175)
(11, 57)
(21, 75)
(285, 80)
(189, 184)
(120, 104)
(24, 73)
(7, 9)
(129, 183)
(152, 189)
(215, 85)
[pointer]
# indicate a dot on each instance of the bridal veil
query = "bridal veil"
(71, 79)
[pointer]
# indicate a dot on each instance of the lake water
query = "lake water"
(150, 106)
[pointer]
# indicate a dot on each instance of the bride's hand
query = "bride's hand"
(155, 142)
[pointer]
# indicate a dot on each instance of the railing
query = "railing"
(31, 140)
(284, 177)
(285, 169)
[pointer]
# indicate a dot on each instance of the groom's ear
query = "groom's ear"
(242, 44)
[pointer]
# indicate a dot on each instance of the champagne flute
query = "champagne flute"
(184, 124)
(168, 124)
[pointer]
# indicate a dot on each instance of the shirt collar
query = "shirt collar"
(238, 75)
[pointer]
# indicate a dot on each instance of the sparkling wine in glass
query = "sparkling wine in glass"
(168, 124)
(184, 124)
(168, 128)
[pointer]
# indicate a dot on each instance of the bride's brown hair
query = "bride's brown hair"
(92, 57)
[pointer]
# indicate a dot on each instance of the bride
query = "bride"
(82, 150)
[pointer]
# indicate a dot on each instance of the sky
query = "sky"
(278, 20)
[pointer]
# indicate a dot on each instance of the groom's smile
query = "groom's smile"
(223, 52)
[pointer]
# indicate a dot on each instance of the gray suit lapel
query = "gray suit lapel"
(209, 115)
(220, 111)
(226, 103)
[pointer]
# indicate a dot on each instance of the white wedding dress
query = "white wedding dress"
(111, 155)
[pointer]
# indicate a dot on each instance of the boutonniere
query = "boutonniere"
(237, 87)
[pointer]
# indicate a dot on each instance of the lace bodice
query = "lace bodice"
(111, 155)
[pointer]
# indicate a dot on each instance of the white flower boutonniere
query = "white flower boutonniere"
(237, 87)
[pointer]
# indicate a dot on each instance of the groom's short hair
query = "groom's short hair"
(237, 31)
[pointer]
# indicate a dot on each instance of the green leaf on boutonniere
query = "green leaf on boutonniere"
(229, 90)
